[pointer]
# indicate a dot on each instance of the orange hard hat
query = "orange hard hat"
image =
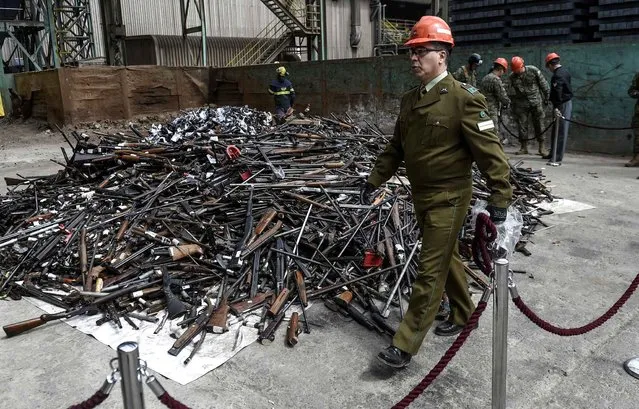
(501, 61)
(551, 56)
(517, 64)
(429, 29)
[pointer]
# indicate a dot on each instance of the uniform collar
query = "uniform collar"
(439, 83)
(435, 80)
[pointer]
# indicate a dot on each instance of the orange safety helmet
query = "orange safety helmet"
(517, 65)
(429, 29)
(551, 56)
(502, 61)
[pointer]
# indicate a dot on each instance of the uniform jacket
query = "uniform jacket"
(463, 74)
(633, 92)
(560, 88)
(529, 87)
(439, 136)
(282, 90)
(495, 93)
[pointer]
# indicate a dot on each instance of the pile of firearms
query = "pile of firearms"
(217, 215)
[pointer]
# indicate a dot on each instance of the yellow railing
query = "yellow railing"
(254, 50)
(275, 30)
(396, 31)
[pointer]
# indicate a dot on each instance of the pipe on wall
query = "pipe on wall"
(356, 24)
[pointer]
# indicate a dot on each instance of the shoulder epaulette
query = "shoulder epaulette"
(469, 88)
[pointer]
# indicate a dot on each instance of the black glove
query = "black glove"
(365, 192)
(497, 214)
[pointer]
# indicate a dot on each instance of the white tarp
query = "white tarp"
(561, 206)
(216, 349)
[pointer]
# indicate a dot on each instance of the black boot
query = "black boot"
(394, 357)
(448, 329)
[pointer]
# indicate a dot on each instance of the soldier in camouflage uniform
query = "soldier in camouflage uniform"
(442, 129)
(530, 93)
(468, 73)
(633, 92)
(493, 89)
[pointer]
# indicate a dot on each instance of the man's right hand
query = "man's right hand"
(365, 192)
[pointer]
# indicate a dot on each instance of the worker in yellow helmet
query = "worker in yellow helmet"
(282, 90)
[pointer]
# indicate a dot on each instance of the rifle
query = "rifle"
(23, 326)
(236, 260)
(195, 328)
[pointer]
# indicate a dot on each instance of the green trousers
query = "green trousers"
(635, 124)
(441, 216)
(521, 113)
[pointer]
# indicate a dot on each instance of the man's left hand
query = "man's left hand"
(497, 214)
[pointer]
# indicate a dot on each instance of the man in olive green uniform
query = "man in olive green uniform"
(442, 128)
(468, 73)
(633, 92)
(530, 94)
(493, 89)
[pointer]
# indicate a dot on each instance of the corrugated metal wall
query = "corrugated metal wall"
(171, 51)
(232, 18)
(225, 18)
(338, 29)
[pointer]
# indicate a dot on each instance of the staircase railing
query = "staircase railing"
(253, 51)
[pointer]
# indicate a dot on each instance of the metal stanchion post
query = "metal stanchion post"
(129, 364)
(555, 129)
(500, 333)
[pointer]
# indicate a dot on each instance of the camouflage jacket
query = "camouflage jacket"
(463, 74)
(529, 86)
(633, 92)
(495, 93)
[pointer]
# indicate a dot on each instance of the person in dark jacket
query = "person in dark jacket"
(282, 90)
(561, 99)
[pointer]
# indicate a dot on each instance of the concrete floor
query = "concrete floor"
(577, 270)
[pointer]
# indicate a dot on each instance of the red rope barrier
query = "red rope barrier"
(170, 402)
(569, 332)
(485, 232)
(443, 362)
(92, 402)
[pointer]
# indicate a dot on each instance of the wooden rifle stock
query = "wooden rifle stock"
(278, 303)
(23, 326)
(293, 330)
(301, 288)
(242, 306)
(217, 323)
(184, 250)
(261, 225)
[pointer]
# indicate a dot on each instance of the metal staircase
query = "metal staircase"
(272, 40)
(295, 20)
(289, 13)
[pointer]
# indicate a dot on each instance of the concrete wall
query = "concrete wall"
(371, 87)
(601, 74)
